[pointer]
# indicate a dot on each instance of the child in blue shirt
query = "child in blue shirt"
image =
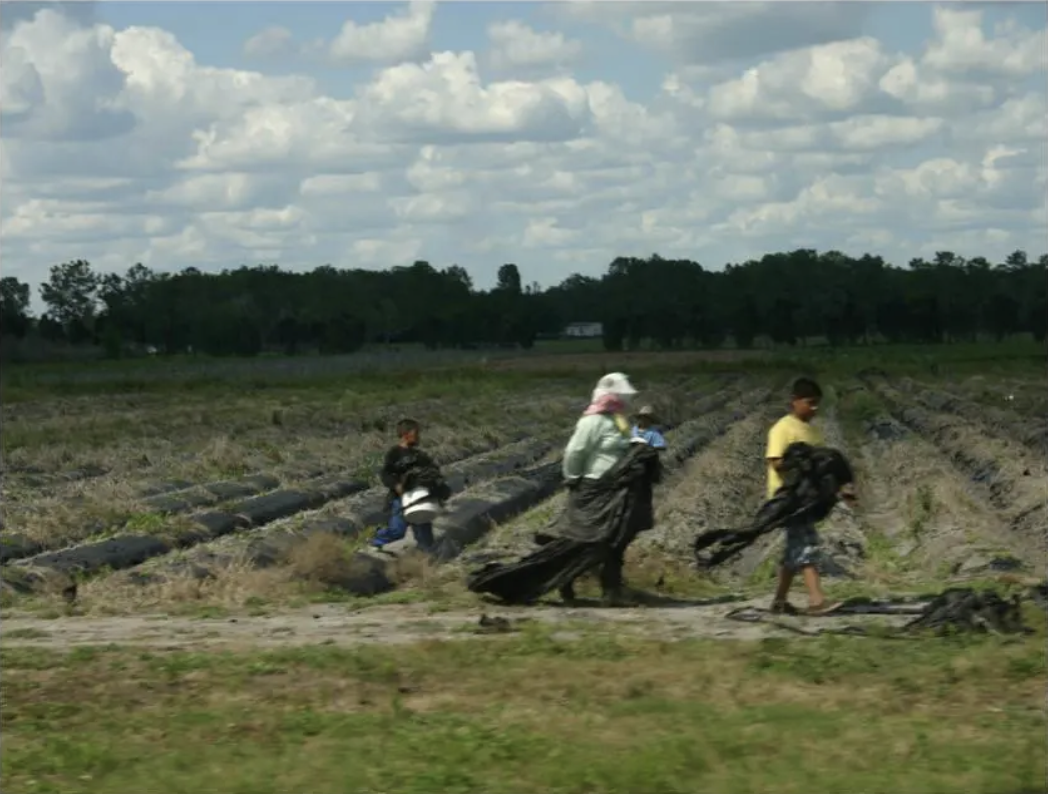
(645, 429)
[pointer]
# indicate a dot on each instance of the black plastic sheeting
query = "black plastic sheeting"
(471, 518)
(813, 477)
(14, 546)
(127, 551)
(957, 610)
(466, 523)
(369, 510)
(264, 508)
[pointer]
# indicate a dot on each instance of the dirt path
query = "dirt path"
(333, 624)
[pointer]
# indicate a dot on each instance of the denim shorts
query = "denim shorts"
(802, 547)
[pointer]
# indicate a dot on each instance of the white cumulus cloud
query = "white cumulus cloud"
(515, 44)
(710, 131)
(400, 36)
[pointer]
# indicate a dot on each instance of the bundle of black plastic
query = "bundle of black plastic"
(812, 478)
(598, 522)
(962, 609)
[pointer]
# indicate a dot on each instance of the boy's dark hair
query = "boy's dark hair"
(405, 426)
(805, 389)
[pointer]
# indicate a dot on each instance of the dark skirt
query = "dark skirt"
(557, 563)
(601, 519)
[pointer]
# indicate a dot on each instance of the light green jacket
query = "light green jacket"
(596, 445)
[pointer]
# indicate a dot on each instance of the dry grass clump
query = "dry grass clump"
(326, 562)
(323, 567)
(60, 521)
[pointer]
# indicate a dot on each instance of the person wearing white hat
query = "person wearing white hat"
(601, 439)
(612, 385)
(602, 434)
(609, 479)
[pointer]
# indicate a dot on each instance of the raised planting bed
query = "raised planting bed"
(1009, 476)
(1032, 431)
(473, 515)
(124, 552)
(470, 515)
(17, 546)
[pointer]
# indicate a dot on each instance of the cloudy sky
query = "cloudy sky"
(556, 136)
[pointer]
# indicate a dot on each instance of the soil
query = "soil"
(943, 494)
(1030, 429)
(924, 507)
(1008, 477)
(334, 624)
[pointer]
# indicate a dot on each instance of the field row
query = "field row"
(115, 454)
(1029, 430)
(139, 541)
(996, 490)
(143, 446)
(939, 498)
(39, 519)
(302, 545)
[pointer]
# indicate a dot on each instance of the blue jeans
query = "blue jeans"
(398, 528)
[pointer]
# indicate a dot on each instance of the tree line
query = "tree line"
(783, 298)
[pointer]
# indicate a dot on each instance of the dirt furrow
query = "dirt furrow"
(126, 552)
(112, 507)
(1022, 398)
(1009, 477)
(844, 542)
(335, 624)
(923, 519)
(468, 515)
(157, 513)
(719, 487)
(1032, 431)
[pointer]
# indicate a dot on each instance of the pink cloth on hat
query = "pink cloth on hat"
(605, 404)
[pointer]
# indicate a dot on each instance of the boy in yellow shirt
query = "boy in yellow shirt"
(801, 554)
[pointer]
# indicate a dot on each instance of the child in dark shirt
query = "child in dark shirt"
(402, 461)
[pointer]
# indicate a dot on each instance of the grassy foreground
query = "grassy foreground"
(529, 713)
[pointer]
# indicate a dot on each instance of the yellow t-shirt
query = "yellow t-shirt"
(786, 431)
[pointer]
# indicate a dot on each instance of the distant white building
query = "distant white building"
(584, 330)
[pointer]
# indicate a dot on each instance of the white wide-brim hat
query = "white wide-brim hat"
(614, 383)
